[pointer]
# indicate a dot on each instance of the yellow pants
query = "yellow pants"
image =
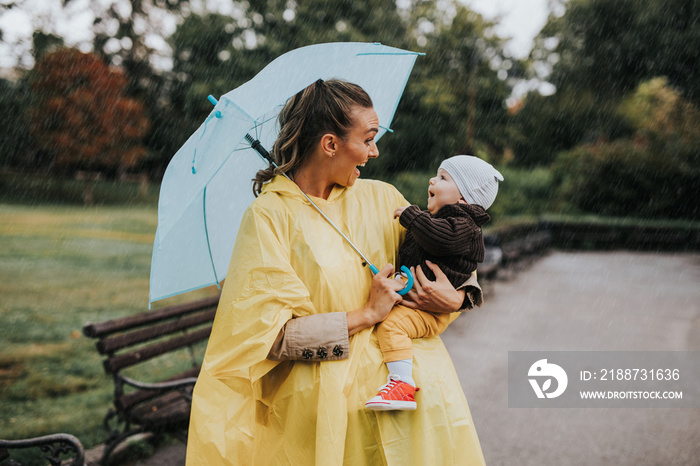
(404, 324)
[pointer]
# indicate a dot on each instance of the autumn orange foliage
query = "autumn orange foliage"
(80, 116)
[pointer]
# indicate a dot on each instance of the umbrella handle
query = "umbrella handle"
(405, 270)
(409, 283)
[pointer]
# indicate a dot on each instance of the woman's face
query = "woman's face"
(356, 148)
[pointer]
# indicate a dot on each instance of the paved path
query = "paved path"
(575, 302)
(566, 301)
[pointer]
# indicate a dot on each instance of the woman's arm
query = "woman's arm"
(324, 337)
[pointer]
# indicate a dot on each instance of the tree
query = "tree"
(214, 53)
(15, 136)
(597, 52)
(80, 117)
(453, 90)
(125, 31)
(652, 173)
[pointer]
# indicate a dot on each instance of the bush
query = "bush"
(24, 188)
(623, 178)
(524, 192)
(652, 174)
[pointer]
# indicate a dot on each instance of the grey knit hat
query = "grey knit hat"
(476, 179)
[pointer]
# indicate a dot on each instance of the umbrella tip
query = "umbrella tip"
(212, 99)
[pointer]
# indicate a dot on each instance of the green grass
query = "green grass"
(59, 268)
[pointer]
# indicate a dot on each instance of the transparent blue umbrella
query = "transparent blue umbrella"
(207, 185)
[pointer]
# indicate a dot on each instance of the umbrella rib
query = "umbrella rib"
(206, 234)
(259, 124)
(391, 53)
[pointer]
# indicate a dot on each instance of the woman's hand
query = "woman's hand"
(433, 296)
(382, 297)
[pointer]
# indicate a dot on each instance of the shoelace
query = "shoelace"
(388, 386)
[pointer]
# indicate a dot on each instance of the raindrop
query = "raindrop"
(224, 55)
(112, 46)
(126, 43)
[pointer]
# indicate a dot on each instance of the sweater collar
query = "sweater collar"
(476, 212)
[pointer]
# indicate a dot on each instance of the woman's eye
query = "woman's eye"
(369, 141)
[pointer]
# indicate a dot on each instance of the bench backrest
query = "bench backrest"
(188, 323)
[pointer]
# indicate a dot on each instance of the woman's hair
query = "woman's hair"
(323, 107)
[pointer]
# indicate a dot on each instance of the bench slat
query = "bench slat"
(165, 412)
(100, 329)
(116, 363)
(110, 344)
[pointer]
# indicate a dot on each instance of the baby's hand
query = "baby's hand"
(399, 211)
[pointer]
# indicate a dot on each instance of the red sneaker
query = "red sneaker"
(394, 395)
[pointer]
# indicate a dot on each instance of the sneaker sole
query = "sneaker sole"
(392, 406)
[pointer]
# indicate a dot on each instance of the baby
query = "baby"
(448, 235)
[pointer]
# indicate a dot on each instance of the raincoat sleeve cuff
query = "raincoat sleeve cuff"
(319, 337)
(473, 296)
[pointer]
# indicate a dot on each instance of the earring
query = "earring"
(333, 155)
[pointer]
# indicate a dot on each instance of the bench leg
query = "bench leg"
(113, 442)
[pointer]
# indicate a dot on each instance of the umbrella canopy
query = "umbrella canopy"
(207, 185)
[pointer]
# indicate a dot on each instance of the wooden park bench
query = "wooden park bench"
(161, 406)
(57, 449)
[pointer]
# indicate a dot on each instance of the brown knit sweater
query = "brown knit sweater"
(452, 239)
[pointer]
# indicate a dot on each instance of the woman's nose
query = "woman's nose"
(373, 151)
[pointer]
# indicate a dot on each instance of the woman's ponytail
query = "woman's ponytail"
(321, 108)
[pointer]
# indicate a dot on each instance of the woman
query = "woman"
(292, 357)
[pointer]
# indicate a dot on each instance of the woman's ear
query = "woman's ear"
(329, 144)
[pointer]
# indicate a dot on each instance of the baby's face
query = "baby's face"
(442, 191)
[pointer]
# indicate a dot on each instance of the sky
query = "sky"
(520, 20)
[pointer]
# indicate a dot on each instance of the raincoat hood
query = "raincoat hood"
(283, 186)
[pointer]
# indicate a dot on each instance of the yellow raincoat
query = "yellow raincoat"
(288, 262)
